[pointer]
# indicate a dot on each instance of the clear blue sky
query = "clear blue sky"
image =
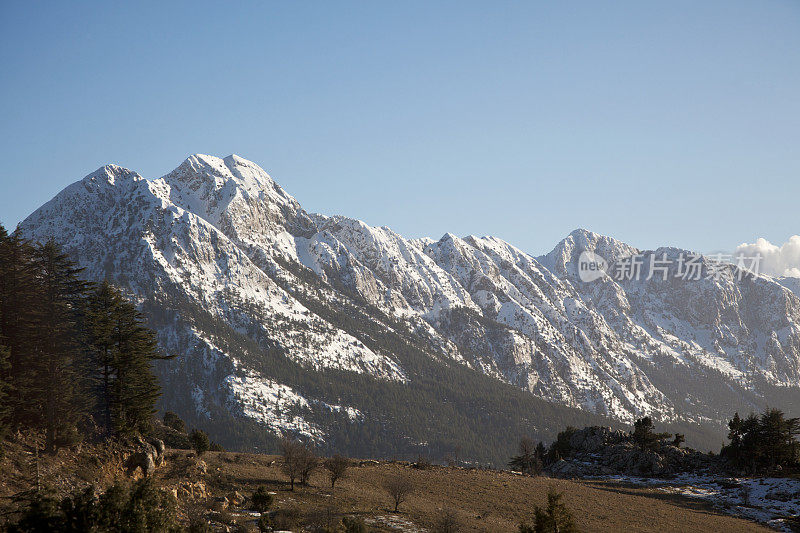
(657, 123)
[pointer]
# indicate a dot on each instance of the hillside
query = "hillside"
(480, 500)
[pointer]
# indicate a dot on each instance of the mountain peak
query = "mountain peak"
(213, 172)
(111, 173)
(562, 258)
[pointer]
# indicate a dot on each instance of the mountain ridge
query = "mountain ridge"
(222, 234)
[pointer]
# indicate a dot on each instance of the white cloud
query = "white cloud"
(783, 260)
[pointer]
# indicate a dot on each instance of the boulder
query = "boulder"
(140, 460)
(192, 491)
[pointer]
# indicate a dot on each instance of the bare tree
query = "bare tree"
(528, 460)
(308, 462)
(448, 523)
(291, 450)
(336, 467)
(398, 487)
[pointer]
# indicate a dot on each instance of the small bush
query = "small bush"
(354, 524)
(422, 463)
(198, 524)
(448, 523)
(214, 447)
(171, 420)
(554, 518)
(199, 441)
(264, 524)
(287, 518)
(141, 506)
(261, 500)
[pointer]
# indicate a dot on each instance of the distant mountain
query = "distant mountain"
(363, 340)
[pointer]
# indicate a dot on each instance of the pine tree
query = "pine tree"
(122, 350)
(777, 435)
(59, 389)
(100, 312)
(135, 389)
(5, 387)
(763, 443)
(644, 436)
(17, 331)
(555, 517)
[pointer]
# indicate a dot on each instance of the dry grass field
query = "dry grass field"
(484, 501)
(481, 500)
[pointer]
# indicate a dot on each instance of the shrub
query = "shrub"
(286, 519)
(264, 524)
(554, 518)
(198, 524)
(261, 500)
(141, 506)
(422, 464)
(448, 523)
(354, 524)
(199, 441)
(171, 420)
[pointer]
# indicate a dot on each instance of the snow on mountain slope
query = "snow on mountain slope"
(164, 236)
(221, 234)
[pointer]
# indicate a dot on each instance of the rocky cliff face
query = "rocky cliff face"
(238, 278)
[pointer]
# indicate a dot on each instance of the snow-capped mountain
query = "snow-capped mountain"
(280, 315)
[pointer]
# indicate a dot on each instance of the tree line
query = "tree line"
(760, 444)
(75, 357)
(763, 443)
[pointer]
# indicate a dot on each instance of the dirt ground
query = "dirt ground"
(480, 500)
(485, 501)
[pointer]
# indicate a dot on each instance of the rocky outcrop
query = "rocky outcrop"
(148, 456)
(602, 451)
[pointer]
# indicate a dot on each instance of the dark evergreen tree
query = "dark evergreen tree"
(5, 387)
(541, 452)
(101, 311)
(172, 420)
(199, 441)
(135, 389)
(261, 500)
(58, 389)
(760, 444)
(777, 435)
(644, 436)
(17, 332)
(561, 448)
(121, 350)
(554, 518)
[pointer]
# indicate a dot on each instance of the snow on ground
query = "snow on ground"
(766, 500)
(395, 523)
